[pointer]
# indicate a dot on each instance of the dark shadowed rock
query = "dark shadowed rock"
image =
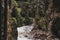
(56, 27)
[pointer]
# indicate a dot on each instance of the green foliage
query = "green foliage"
(15, 3)
(42, 22)
(18, 18)
(28, 2)
(15, 20)
(18, 10)
(27, 20)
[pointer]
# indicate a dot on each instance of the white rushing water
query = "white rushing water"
(23, 33)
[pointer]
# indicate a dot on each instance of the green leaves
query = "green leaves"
(15, 20)
(19, 10)
(43, 22)
(27, 10)
(15, 3)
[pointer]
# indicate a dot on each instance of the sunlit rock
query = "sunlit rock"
(23, 33)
